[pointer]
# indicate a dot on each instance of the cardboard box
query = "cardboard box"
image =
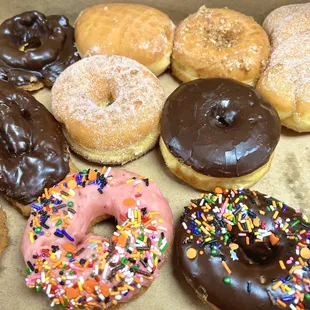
(288, 178)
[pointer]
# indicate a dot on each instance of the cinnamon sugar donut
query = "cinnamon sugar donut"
(219, 43)
(109, 107)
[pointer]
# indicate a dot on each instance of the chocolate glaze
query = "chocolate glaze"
(220, 127)
(50, 48)
(33, 151)
(258, 262)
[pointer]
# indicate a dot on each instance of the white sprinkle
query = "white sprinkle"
(107, 172)
(162, 228)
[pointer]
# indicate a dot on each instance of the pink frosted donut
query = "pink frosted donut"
(78, 269)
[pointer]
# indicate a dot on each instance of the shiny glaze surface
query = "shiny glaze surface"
(254, 266)
(33, 151)
(35, 48)
(220, 127)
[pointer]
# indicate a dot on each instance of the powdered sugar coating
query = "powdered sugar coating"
(82, 95)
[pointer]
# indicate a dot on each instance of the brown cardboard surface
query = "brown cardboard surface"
(287, 179)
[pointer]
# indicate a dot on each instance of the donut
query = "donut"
(33, 151)
(3, 231)
(131, 30)
(35, 49)
(240, 249)
(285, 82)
(219, 43)
(109, 107)
(218, 132)
(77, 269)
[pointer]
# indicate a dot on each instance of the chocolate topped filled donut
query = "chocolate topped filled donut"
(217, 132)
(35, 49)
(240, 249)
(33, 151)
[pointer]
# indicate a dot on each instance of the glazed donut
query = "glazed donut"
(131, 30)
(218, 132)
(240, 249)
(109, 107)
(285, 82)
(33, 151)
(3, 231)
(35, 49)
(77, 269)
(219, 43)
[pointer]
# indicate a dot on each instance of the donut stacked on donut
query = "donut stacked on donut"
(240, 249)
(218, 132)
(131, 30)
(80, 270)
(109, 107)
(219, 43)
(35, 49)
(285, 82)
(33, 151)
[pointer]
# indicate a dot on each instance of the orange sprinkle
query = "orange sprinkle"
(72, 293)
(276, 285)
(69, 247)
(92, 175)
(130, 202)
(71, 183)
(226, 267)
(61, 300)
(218, 190)
(273, 239)
(281, 303)
(247, 240)
(191, 253)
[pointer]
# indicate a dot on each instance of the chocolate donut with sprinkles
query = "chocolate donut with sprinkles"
(240, 249)
(79, 270)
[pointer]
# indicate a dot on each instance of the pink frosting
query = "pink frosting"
(124, 196)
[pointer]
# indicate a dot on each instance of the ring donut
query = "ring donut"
(77, 269)
(219, 43)
(35, 49)
(240, 249)
(33, 151)
(110, 107)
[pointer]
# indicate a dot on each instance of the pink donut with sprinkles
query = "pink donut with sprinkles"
(77, 269)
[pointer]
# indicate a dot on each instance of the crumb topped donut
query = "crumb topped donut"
(77, 269)
(109, 107)
(240, 249)
(219, 43)
(139, 32)
(35, 49)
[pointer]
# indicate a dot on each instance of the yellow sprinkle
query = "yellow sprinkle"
(71, 193)
(94, 241)
(274, 204)
(139, 216)
(204, 230)
(237, 200)
(160, 221)
(155, 213)
(57, 264)
(281, 263)
(208, 239)
(287, 288)
(193, 205)
(156, 261)
(275, 215)
(198, 222)
(302, 232)
(155, 252)
(285, 226)
(64, 197)
(129, 287)
(114, 302)
(129, 181)
(31, 237)
(261, 212)
(119, 227)
(203, 217)
(248, 224)
(276, 285)
(292, 270)
(136, 214)
(114, 293)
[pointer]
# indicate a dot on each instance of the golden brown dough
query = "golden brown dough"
(219, 43)
(3, 231)
(135, 31)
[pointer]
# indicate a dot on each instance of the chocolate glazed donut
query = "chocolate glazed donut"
(218, 130)
(35, 49)
(33, 151)
(240, 249)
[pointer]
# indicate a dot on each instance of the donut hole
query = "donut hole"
(104, 95)
(104, 228)
(32, 45)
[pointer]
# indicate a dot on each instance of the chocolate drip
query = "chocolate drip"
(33, 151)
(35, 48)
(220, 127)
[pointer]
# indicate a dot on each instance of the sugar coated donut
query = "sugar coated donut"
(34, 153)
(219, 43)
(218, 132)
(77, 269)
(285, 82)
(240, 249)
(135, 31)
(109, 107)
(3, 231)
(35, 49)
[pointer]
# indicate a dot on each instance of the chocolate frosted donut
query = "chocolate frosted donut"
(33, 151)
(218, 132)
(35, 49)
(240, 249)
